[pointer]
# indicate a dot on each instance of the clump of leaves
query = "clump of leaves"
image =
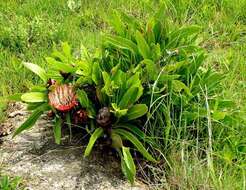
(145, 74)
(81, 92)
(171, 66)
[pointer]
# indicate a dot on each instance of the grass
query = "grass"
(30, 28)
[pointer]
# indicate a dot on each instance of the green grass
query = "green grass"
(30, 28)
(7, 183)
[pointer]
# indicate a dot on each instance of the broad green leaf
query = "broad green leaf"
(127, 157)
(60, 66)
(121, 43)
(133, 139)
(166, 77)
(115, 21)
(66, 49)
(156, 52)
(134, 81)
(59, 55)
(57, 130)
(149, 31)
(96, 134)
(84, 52)
(34, 97)
(96, 73)
(107, 84)
(136, 111)
(37, 70)
(83, 98)
(32, 118)
(174, 67)
(177, 35)
(219, 115)
(126, 171)
(151, 68)
(116, 140)
(131, 21)
(143, 47)
(38, 89)
(132, 128)
(129, 97)
(33, 106)
(136, 131)
(117, 111)
(86, 67)
(14, 97)
(178, 86)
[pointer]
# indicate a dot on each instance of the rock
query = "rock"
(44, 165)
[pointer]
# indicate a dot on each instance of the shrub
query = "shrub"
(145, 76)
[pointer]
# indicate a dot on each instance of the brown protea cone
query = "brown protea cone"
(104, 117)
(80, 116)
(63, 97)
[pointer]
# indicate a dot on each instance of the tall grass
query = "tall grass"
(201, 155)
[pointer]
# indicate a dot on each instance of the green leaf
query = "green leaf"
(178, 86)
(129, 163)
(129, 97)
(60, 66)
(38, 89)
(121, 43)
(96, 134)
(126, 171)
(57, 130)
(33, 106)
(96, 73)
(136, 131)
(116, 23)
(37, 70)
(136, 111)
(32, 118)
(151, 68)
(182, 33)
(66, 49)
(14, 97)
(134, 81)
(118, 112)
(166, 77)
(58, 55)
(174, 67)
(143, 47)
(107, 84)
(116, 140)
(133, 139)
(34, 97)
(83, 98)
(219, 115)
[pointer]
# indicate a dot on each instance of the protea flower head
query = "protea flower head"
(63, 97)
(104, 117)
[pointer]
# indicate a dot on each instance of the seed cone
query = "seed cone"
(63, 97)
(104, 117)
